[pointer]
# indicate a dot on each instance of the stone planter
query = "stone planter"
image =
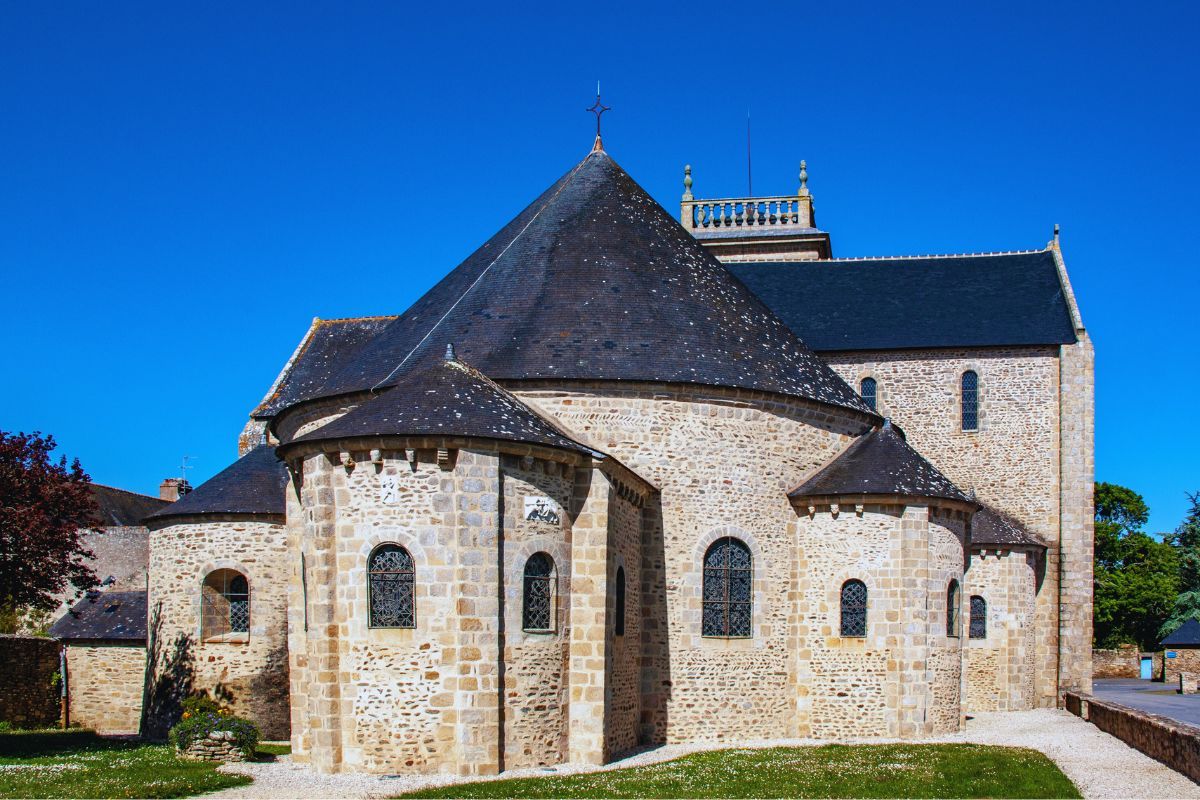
(217, 746)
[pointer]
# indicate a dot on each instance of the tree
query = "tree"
(1186, 541)
(44, 508)
(1136, 576)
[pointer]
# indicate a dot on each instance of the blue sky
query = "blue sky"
(185, 186)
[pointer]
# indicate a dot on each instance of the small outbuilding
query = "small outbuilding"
(1181, 651)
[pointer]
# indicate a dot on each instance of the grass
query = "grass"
(82, 764)
(885, 770)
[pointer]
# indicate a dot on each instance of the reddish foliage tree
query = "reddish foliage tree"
(44, 507)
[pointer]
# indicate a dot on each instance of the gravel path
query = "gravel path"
(1099, 764)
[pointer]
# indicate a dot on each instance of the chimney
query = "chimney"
(171, 489)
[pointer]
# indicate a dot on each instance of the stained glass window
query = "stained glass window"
(854, 609)
(867, 390)
(225, 606)
(727, 609)
(619, 624)
(952, 609)
(978, 617)
(538, 606)
(970, 401)
(390, 585)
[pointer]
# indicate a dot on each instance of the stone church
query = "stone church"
(627, 477)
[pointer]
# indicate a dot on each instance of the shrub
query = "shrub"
(202, 716)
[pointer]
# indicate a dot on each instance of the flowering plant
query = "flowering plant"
(203, 715)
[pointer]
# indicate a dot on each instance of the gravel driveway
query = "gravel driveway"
(1099, 764)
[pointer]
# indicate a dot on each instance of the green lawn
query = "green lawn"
(81, 764)
(885, 770)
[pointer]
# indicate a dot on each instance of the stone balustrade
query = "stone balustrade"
(772, 213)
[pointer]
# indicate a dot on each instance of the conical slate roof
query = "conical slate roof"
(991, 526)
(596, 281)
(881, 462)
(254, 484)
(446, 397)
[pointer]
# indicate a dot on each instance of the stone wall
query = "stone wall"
(248, 672)
(1187, 659)
(120, 552)
(1032, 456)
(29, 697)
(1175, 744)
(999, 667)
(622, 713)
(1124, 662)
(105, 682)
(723, 461)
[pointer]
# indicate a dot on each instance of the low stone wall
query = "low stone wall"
(218, 746)
(29, 696)
(105, 683)
(1173, 743)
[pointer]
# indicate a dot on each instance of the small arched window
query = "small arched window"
(619, 623)
(537, 608)
(854, 608)
(727, 604)
(978, 617)
(867, 390)
(952, 609)
(225, 606)
(390, 586)
(970, 401)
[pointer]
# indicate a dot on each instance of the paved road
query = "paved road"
(1157, 698)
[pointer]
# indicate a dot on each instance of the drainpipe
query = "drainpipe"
(64, 700)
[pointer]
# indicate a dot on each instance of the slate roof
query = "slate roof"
(329, 344)
(254, 484)
(880, 462)
(898, 303)
(447, 398)
(596, 281)
(1186, 635)
(104, 615)
(119, 508)
(991, 526)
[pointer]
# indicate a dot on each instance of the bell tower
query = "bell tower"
(780, 228)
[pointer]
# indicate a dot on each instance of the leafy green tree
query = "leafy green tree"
(1186, 541)
(1136, 576)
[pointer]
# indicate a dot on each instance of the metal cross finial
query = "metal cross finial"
(598, 108)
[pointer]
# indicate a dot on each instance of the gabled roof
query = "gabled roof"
(596, 281)
(252, 485)
(991, 526)
(880, 462)
(119, 508)
(104, 615)
(328, 344)
(1186, 635)
(902, 303)
(447, 398)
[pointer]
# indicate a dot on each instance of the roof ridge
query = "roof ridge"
(373, 318)
(982, 254)
(126, 491)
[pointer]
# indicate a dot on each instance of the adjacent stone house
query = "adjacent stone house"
(598, 488)
(1181, 652)
(105, 639)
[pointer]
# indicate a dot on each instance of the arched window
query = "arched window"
(537, 609)
(619, 624)
(978, 617)
(854, 608)
(970, 401)
(952, 609)
(727, 589)
(225, 606)
(867, 390)
(390, 585)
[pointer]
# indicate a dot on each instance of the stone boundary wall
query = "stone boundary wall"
(1120, 663)
(1175, 744)
(29, 697)
(106, 681)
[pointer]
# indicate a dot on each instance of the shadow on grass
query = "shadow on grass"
(37, 744)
